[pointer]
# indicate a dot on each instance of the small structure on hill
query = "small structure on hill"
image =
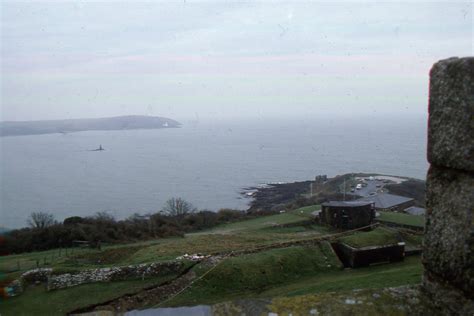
(321, 178)
(389, 202)
(364, 249)
(347, 214)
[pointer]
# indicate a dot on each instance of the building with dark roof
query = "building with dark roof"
(389, 202)
(347, 214)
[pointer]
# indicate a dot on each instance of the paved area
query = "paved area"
(373, 186)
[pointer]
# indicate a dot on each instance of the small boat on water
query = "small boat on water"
(99, 149)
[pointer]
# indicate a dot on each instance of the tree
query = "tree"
(73, 220)
(40, 220)
(177, 207)
(104, 217)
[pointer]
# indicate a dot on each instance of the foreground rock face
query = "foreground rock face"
(448, 280)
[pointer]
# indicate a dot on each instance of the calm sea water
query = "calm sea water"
(207, 163)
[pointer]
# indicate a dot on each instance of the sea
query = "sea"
(208, 163)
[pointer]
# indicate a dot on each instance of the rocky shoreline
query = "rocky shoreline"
(274, 196)
(278, 196)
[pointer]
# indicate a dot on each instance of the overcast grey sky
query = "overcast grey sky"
(217, 59)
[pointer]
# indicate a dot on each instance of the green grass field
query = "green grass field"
(254, 273)
(401, 273)
(376, 237)
(37, 301)
(276, 272)
(401, 218)
(319, 280)
(228, 237)
(295, 216)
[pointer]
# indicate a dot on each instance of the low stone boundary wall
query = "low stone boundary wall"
(60, 281)
(113, 274)
(34, 276)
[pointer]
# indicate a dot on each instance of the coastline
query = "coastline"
(278, 196)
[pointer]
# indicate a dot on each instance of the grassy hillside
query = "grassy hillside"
(406, 272)
(401, 218)
(254, 273)
(273, 272)
(60, 302)
(376, 237)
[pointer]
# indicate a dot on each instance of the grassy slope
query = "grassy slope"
(295, 270)
(37, 301)
(400, 218)
(319, 280)
(376, 237)
(254, 273)
(237, 235)
(261, 222)
(395, 274)
(77, 257)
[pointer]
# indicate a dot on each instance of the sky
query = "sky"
(191, 60)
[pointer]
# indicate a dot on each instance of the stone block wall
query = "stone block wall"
(60, 281)
(114, 274)
(29, 277)
(448, 280)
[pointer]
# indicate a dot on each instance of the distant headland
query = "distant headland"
(17, 128)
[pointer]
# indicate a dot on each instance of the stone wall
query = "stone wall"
(29, 277)
(448, 280)
(58, 281)
(114, 274)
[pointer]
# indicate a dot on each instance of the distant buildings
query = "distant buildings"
(347, 214)
(389, 202)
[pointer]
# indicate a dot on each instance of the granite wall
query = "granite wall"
(58, 281)
(448, 280)
(145, 270)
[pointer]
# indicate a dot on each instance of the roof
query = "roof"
(356, 203)
(386, 200)
(414, 210)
